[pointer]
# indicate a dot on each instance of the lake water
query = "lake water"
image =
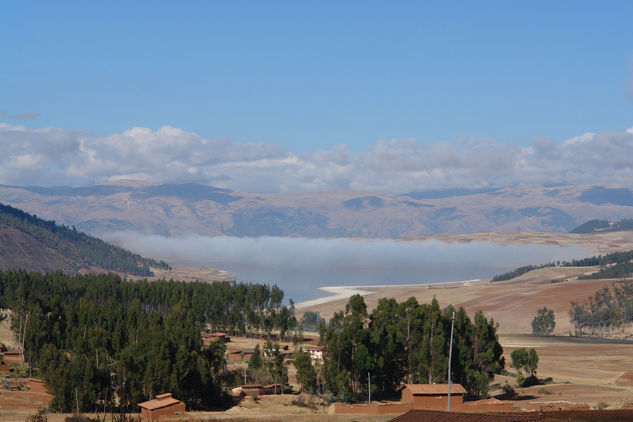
(299, 265)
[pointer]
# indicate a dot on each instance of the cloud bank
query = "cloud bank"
(54, 156)
(299, 266)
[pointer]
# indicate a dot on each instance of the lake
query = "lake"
(299, 265)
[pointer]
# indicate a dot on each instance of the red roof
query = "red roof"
(439, 416)
(161, 400)
(433, 389)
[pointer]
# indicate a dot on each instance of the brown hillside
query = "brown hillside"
(20, 250)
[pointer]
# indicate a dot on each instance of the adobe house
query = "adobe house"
(163, 405)
(256, 389)
(11, 356)
(433, 396)
(239, 353)
(316, 353)
(208, 338)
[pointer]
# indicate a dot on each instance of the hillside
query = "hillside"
(31, 243)
(604, 226)
(177, 209)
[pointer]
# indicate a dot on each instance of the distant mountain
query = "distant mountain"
(602, 226)
(177, 209)
(33, 244)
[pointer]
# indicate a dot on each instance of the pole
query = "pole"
(369, 386)
(450, 358)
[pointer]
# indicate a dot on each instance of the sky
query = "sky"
(315, 95)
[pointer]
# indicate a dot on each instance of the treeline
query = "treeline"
(607, 309)
(621, 270)
(84, 250)
(520, 271)
(620, 259)
(97, 337)
(604, 226)
(406, 342)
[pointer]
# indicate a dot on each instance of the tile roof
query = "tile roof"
(161, 400)
(439, 416)
(422, 389)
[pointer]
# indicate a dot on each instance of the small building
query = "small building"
(432, 396)
(11, 356)
(239, 353)
(316, 353)
(256, 390)
(164, 405)
(270, 389)
(208, 338)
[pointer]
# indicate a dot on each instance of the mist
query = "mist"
(300, 265)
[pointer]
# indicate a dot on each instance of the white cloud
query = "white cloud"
(53, 156)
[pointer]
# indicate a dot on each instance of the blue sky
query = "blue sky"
(316, 95)
(308, 75)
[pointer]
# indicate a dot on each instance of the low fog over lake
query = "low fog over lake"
(300, 265)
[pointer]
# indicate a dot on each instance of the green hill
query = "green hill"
(31, 243)
(603, 226)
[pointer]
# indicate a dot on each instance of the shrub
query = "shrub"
(37, 417)
(601, 406)
(507, 389)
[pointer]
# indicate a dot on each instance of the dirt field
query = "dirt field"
(512, 304)
(584, 371)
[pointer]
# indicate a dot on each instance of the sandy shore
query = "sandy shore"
(345, 292)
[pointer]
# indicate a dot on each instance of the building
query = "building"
(208, 338)
(256, 390)
(437, 416)
(11, 356)
(164, 405)
(239, 353)
(316, 353)
(433, 396)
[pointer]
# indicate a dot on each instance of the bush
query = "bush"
(36, 417)
(507, 389)
(601, 406)
(530, 381)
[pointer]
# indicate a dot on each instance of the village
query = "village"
(24, 394)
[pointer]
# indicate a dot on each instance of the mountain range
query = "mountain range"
(171, 209)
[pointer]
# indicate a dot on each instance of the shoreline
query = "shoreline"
(345, 292)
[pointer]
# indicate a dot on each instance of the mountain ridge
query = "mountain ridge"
(173, 209)
(31, 243)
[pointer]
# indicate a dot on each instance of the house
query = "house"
(164, 405)
(11, 356)
(239, 353)
(316, 353)
(270, 389)
(208, 338)
(256, 389)
(432, 396)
